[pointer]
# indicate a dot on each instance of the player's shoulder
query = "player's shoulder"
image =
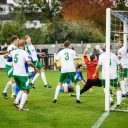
(121, 49)
(11, 47)
(102, 54)
(71, 50)
(113, 55)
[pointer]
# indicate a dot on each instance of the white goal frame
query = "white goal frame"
(124, 19)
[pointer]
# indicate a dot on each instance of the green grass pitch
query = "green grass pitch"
(64, 114)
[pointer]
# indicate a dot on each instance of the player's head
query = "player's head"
(28, 39)
(120, 43)
(21, 44)
(15, 39)
(93, 57)
(67, 44)
(80, 68)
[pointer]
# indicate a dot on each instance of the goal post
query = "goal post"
(116, 30)
(108, 35)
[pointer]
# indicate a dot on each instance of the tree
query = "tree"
(121, 4)
(83, 10)
(38, 9)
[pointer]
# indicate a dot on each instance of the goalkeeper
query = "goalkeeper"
(91, 65)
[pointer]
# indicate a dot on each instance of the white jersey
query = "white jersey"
(9, 49)
(122, 54)
(20, 57)
(31, 51)
(114, 62)
(66, 57)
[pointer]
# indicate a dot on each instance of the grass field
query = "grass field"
(64, 114)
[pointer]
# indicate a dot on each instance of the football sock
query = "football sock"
(13, 89)
(8, 85)
(18, 97)
(78, 92)
(23, 100)
(57, 91)
(35, 77)
(43, 78)
(118, 95)
(123, 87)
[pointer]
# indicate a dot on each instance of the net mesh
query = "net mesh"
(117, 34)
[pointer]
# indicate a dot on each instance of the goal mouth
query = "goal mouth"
(116, 32)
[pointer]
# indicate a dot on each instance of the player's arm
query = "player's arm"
(3, 52)
(33, 66)
(86, 49)
(120, 67)
(83, 81)
(98, 68)
(119, 64)
(57, 64)
(6, 55)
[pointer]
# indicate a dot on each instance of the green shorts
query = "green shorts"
(9, 70)
(113, 83)
(70, 75)
(37, 64)
(22, 82)
(124, 73)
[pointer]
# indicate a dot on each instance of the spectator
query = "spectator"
(45, 52)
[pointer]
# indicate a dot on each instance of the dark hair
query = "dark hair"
(92, 57)
(67, 43)
(78, 66)
(14, 38)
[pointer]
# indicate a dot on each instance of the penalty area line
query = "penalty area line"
(100, 121)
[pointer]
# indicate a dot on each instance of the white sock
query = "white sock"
(123, 88)
(43, 78)
(57, 91)
(8, 85)
(78, 92)
(35, 77)
(18, 97)
(118, 95)
(13, 89)
(126, 86)
(111, 100)
(23, 100)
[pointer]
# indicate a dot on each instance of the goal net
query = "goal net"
(116, 32)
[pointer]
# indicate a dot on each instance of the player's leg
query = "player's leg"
(9, 71)
(42, 73)
(125, 79)
(19, 94)
(23, 100)
(123, 83)
(57, 91)
(63, 79)
(85, 88)
(25, 86)
(43, 77)
(110, 95)
(116, 84)
(74, 78)
(13, 89)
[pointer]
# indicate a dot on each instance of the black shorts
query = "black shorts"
(94, 82)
